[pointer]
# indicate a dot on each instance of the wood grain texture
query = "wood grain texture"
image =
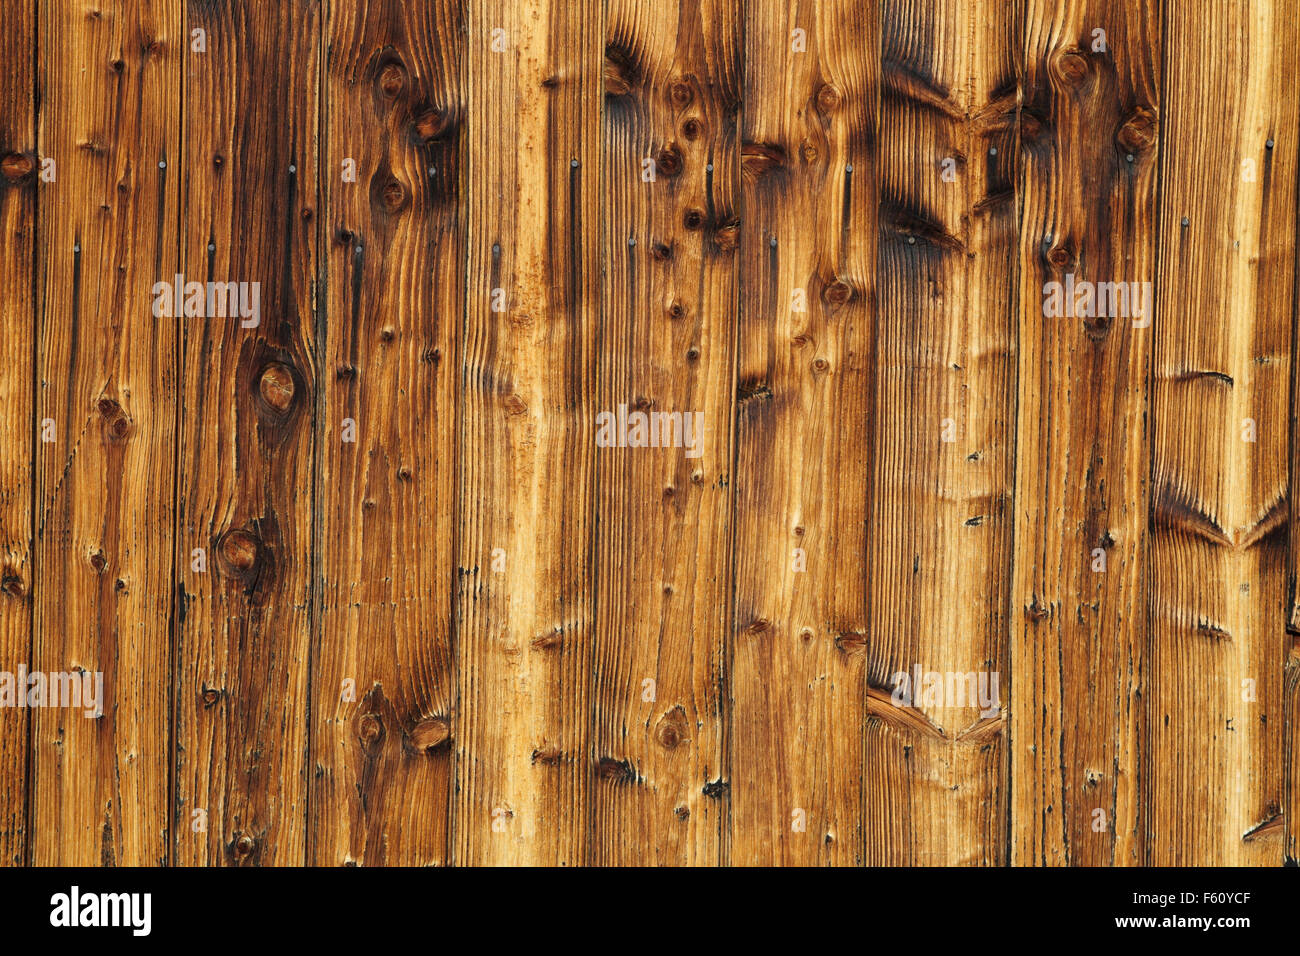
(110, 83)
(389, 338)
(940, 542)
(1089, 129)
(1291, 641)
(1291, 755)
(524, 601)
(797, 681)
(19, 176)
(246, 462)
(672, 78)
(367, 587)
(1220, 376)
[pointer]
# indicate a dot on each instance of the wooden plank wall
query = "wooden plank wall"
(365, 588)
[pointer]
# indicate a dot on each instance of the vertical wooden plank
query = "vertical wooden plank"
(1221, 367)
(944, 439)
(524, 602)
(246, 456)
(1089, 148)
(1291, 669)
(109, 117)
(109, 95)
(1291, 753)
(672, 87)
(802, 431)
(19, 181)
(383, 686)
(1293, 524)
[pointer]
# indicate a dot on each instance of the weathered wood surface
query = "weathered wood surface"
(365, 588)
(19, 175)
(392, 241)
(1221, 373)
(941, 517)
(524, 600)
(667, 346)
(246, 466)
(803, 418)
(1089, 160)
(109, 84)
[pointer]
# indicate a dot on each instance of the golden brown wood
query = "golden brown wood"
(246, 464)
(940, 534)
(366, 588)
(1291, 641)
(19, 181)
(797, 688)
(110, 88)
(672, 77)
(383, 686)
(1221, 371)
(524, 603)
(1088, 134)
(1291, 754)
